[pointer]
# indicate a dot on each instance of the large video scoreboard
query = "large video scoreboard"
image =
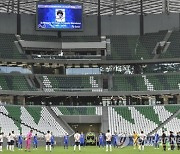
(59, 16)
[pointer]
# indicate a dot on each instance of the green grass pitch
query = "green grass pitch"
(94, 150)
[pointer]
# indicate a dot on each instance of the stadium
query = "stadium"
(96, 70)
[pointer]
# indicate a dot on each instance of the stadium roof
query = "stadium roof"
(108, 7)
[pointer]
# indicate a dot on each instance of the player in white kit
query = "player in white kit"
(12, 141)
(48, 140)
(108, 140)
(8, 141)
(142, 138)
(1, 140)
(77, 137)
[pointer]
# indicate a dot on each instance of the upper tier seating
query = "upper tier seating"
(14, 82)
(123, 47)
(134, 47)
(63, 39)
(8, 48)
(174, 48)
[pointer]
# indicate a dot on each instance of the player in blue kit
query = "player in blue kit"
(156, 140)
(82, 139)
(20, 140)
(52, 140)
(101, 140)
(66, 141)
(115, 140)
(35, 142)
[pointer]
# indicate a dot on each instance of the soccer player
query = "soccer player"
(1, 141)
(77, 140)
(108, 140)
(20, 140)
(164, 140)
(82, 139)
(122, 139)
(142, 138)
(115, 140)
(35, 141)
(178, 140)
(48, 140)
(52, 140)
(135, 140)
(28, 140)
(101, 140)
(8, 141)
(172, 140)
(156, 140)
(66, 141)
(12, 139)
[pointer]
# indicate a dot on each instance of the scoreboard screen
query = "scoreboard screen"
(59, 16)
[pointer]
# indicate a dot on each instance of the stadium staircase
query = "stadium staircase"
(173, 50)
(164, 45)
(161, 126)
(59, 119)
(150, 86)
(105, 119)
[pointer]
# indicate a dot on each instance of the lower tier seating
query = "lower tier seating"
(22, 119)
(146, 118)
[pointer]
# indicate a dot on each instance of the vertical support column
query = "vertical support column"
(12, 6)
(15, 100)
(59, 32)
(114, 7)
(141, 19)
(105, 119)
(179, 21)
(178, 99)
(99, 18)
(165, 99)
(18, 18)
(128, 100)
